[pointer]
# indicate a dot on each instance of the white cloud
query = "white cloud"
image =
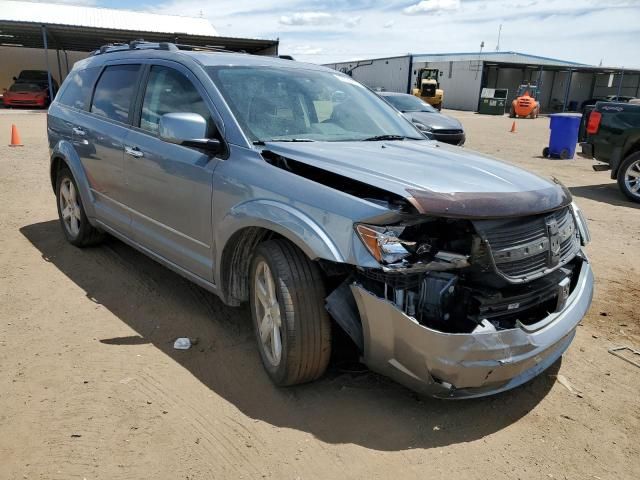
(459, 30)
(307, 18)
(352, 22)
(304, 50)
(432, 6)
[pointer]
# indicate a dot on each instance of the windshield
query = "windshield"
(409, 103)
(287, 104)
(32, 75)
(25, 87)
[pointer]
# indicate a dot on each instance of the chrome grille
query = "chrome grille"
(526, 248)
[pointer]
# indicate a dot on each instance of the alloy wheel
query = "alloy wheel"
(70, 207)
(632, 178)
(268, 314)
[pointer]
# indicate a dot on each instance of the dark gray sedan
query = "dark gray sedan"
(441, 127)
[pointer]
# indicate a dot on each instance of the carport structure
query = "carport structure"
(65, 28)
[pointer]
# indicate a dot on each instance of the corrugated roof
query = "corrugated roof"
(103, 18)
(499, 57)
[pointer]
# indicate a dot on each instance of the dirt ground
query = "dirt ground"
(91, 387)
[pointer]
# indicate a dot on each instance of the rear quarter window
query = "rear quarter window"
(114, 92)
(77, 88)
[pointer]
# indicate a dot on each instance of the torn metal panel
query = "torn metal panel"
(466, 364)
(343, 309)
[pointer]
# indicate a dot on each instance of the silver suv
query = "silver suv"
(297, 189)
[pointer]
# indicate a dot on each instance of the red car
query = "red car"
(26, 94)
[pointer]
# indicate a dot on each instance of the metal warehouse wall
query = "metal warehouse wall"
(460, 81)
(630, 85)
(15, 59)
(390, 74)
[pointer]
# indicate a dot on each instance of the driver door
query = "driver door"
(169, 187)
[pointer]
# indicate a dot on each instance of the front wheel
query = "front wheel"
(629, 177)
(292, 326)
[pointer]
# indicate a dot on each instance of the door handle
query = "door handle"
(133, 151)
(79, 132)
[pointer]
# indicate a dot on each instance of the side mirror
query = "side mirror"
(188, 130)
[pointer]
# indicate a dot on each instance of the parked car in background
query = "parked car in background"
(427, 118)
(295, 189)
(36, 77)
(26, 95)
(611, 134)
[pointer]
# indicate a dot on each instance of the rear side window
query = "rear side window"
(114, 92)
(77, 88)
(169, 91)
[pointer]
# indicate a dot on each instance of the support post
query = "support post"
(620, 83)
(66, 61)
(566, 91)
(46, 56)
(59, 66)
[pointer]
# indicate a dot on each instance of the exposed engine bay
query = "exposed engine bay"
(461, 276)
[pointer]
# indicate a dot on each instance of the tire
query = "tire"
(630, 185)
(304, 330)
(512, 113)
(75, 224)
(564, 154)
(545, 152)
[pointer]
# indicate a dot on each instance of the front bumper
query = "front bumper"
(11, 102)
(450, 138)
(586, 150)
(466, 365)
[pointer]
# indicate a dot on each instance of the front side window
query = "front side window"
(169, 91)
(280, 104)
(114, 92)
(77, 88)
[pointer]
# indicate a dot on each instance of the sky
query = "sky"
(324, 31)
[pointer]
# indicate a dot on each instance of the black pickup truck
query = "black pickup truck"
(611, 135)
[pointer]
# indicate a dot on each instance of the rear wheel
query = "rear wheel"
(74, 221)
(564, 154)
(545, 152)
(292, 327)
(629, 177)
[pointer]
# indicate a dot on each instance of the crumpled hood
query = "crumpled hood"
(435, 178)
(437, 121)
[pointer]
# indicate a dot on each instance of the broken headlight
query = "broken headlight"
(384, 243)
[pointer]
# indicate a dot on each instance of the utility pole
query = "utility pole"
(499, 34)
(479, 58)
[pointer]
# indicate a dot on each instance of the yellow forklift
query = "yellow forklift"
(428, 87)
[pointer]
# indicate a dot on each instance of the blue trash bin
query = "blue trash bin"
(564, 135)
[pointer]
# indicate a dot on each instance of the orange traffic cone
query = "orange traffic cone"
(15, 137)
(513, 127)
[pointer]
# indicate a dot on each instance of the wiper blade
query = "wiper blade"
(384, 137)
(290, 140)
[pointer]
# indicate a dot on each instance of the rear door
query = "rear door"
(169, 187)
(98, 137)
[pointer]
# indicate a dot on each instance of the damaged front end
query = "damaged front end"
(467, 307)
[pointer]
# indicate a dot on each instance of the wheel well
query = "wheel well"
(56, 165)
(632, 149)
(236, 260)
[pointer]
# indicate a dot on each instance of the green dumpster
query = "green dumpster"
(493, 101)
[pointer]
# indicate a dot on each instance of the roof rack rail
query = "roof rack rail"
(141, 44)
(183, 46)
